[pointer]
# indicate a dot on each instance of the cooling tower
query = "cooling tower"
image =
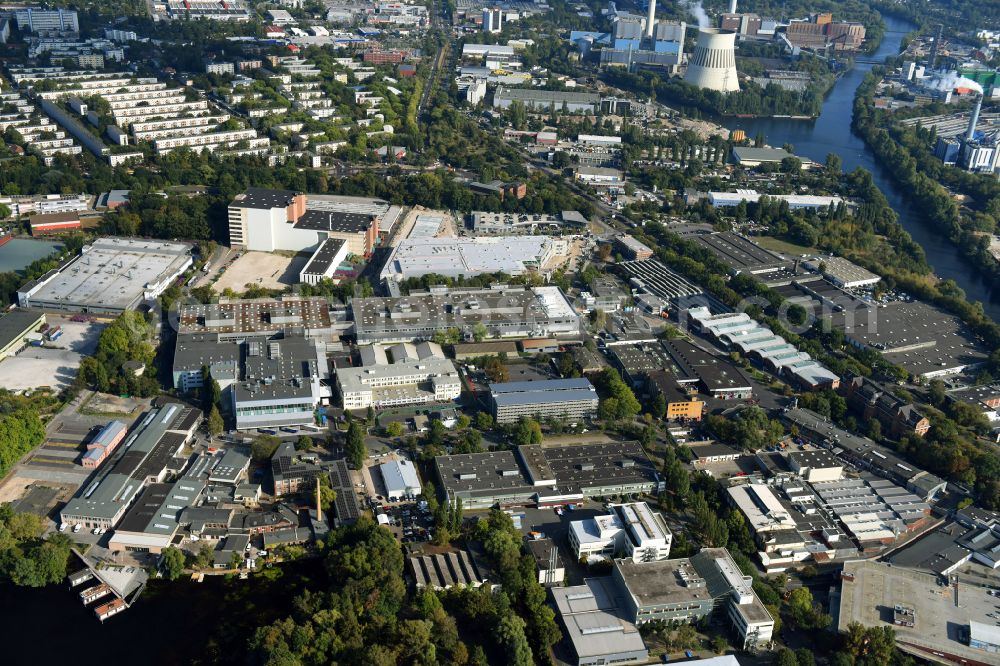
(713, 64)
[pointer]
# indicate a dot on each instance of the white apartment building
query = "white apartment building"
(633, 531)
(34, 19)
(210, 141)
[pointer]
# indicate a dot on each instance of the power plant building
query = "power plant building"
(713, 64)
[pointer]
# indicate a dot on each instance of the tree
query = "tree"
(528, 432)
(786, 658)
(303, 443)
(484, 421)
(263, 447)
(870, 646)
(598, 318)
(659, 406)
(172, 560)
(215, 423)
(479, 331)
(355, 447)
(394, 429)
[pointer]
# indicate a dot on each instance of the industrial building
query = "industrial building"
(325, 261)
(630, 530)
(843, 273)
(689, 589)
(693, 367)
(269, 380)
(509, 224)
(292, 471)
(15, 328)
(104, 444)
(550, 476)
(469, 257)
(269, 220)
(569, 400)
(924, 339)
(506, 312)
(596, 626)
(442, 571)
(652, 277)
(545, 100)
(232, 318)
(741, 254)
(148, 455)
(633, 248)
(110, 276)
(739, 332)
(942, 631)
(752, 156)
(400, 479)
(864, 453)
(794, 201)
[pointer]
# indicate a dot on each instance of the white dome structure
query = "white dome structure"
(713, 64)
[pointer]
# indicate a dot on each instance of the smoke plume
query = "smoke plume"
(949, 81)
(699, 13)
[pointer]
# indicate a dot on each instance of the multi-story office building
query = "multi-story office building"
(629, 530)
(411, 382)
(565, 399)
(689, 589)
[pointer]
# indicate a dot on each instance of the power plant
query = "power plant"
(713, 64)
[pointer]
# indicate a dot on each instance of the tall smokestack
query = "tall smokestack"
(974, 119)
(651, 20)
(319, 502)
(732, 6)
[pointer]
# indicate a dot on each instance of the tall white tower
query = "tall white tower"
(713, 64)
(651, 19)
(732, 6)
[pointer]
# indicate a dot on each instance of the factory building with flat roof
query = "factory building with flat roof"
(110, 276)
(452, 257)
(596, 626)
(270, 380)
(505, 312)
(15, 327)
(549, 476)
(259, 316)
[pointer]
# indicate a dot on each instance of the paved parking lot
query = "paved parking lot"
(271, 271)
(56, 364)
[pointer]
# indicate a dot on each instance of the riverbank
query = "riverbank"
(831, 133)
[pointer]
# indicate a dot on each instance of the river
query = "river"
(173, 623)
(831, 133)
